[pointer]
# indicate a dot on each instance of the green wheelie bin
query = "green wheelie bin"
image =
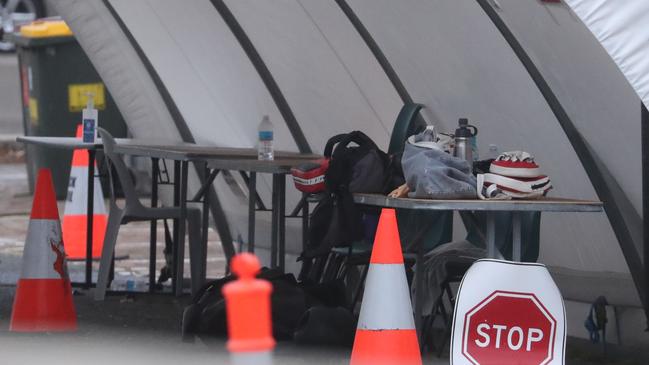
(56, 78)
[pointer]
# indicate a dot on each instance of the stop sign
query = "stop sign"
(509, 328)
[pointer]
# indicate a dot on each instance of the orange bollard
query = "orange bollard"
(248, 311)
(386, 332)
(74, 216)
(43, 301)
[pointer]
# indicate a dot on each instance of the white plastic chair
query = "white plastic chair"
(134, 211)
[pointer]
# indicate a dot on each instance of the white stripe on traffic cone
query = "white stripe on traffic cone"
(380, 279)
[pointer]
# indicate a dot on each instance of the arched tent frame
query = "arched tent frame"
(616, 204)
(626, 223)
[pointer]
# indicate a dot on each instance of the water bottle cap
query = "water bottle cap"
(463, 130)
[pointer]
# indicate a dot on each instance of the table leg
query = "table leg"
(305, 221)
(491, 235)
(153, 235)
(516, 236)
(274, 223)
(205, 226)
(182, 224)
(176, 236)
(111, 272)
(90, 216)
(252, 188)
(281, 179)
(419, 293)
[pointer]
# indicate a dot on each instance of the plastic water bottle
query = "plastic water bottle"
(265, 147)
(130, 285)
(493, 151)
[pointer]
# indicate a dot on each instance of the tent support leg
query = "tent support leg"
(645, 206)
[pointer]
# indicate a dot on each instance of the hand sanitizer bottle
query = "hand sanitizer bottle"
(265, 146)
(89, 118)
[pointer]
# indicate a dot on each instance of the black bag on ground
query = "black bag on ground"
(330, 326)
(205, 316)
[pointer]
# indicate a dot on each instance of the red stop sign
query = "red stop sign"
(509, 328)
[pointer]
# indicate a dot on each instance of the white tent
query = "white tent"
(529, 73)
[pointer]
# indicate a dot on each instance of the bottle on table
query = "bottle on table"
(493, 152)
(89, 118)
(465, 143)
(265, 150)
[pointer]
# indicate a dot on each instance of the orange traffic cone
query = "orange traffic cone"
(75, 219)
(386, 332)
(43, 299)
(248, 311)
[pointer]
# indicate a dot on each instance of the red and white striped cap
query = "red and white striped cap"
(513, 175)
(533, 187)
(515, 164)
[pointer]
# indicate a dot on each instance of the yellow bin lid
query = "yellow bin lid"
(45, 28)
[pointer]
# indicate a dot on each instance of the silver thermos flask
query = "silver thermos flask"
(463, 141)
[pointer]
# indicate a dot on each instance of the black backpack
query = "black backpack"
(360, 168)
(355, 169)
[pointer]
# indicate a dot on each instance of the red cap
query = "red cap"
(80, 157)
(387, 244)
(248, 310)
(44, 205)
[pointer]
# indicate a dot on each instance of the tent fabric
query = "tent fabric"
(347, 87)
(221, 97)
(621, 27)
(207, 96)
(587, 82)
(213, 84)
(120, 68)
(448, 55)
(470, 71)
